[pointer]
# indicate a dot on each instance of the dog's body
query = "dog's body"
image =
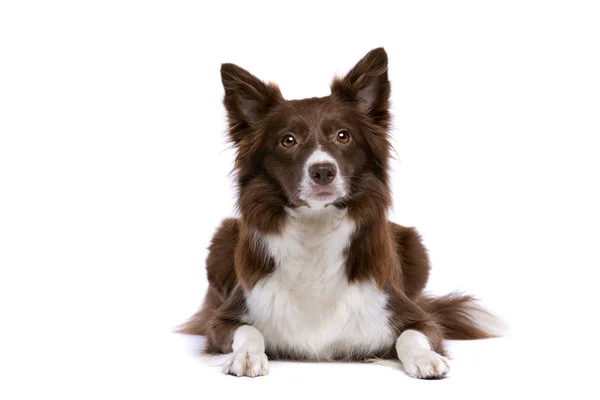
(312, 269)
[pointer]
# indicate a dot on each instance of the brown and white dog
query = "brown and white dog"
(312, 269)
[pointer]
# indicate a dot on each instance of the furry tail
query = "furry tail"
(197, 324)
(462, 317)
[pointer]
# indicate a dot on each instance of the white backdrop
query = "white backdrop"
(114, 175)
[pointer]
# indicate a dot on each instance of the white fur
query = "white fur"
(307, 307)
(488, 321)
(248, 357)
(418, 359)
(338, 185)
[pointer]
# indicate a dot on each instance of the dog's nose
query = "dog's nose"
(323, 173)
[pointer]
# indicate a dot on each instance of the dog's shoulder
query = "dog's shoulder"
(413, 258)
(220, 265)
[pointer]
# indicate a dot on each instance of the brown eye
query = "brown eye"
(343, 136)
(288, 141)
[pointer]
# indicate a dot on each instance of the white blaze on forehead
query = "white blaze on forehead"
(318, 157)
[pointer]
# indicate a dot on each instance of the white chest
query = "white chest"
(306, 307)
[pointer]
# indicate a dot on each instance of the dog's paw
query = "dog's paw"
(426, 364)
(247, 363)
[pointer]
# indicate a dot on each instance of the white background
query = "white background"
(114, 175)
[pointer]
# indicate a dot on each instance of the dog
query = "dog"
(312, 269)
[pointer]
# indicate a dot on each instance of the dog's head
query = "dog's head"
(312, 152)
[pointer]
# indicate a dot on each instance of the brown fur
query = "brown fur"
(413, 259)
(267, 179)
(451, 312)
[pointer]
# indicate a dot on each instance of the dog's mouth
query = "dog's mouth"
(321, 197)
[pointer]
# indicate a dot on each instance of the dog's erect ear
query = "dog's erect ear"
(247, 98)
(366, 84)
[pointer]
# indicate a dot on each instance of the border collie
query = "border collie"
(312, 269)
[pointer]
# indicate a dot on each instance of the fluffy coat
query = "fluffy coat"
(313, 271)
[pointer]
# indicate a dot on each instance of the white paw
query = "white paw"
(426, 364)
(247, 363)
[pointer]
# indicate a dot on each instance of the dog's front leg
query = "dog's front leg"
(229, 334)
(418, 359)
(420, 345)
(248, 357)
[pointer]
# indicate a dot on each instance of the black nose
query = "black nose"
(322, 174)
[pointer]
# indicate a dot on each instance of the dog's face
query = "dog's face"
(311, 152)
(313, 149)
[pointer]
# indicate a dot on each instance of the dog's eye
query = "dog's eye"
(288, 141)
(343, 136)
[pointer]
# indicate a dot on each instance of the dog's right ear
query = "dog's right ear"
(247, 98)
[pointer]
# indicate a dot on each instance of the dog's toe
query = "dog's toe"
(426, 364)
(247, 363)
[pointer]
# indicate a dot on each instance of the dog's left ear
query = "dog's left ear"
(367, 84)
